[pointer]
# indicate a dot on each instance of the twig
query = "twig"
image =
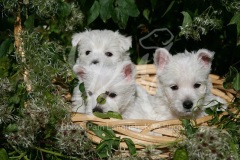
(19, 46)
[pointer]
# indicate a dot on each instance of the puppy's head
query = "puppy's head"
(115, 85)
(183, 79)
(101, 47)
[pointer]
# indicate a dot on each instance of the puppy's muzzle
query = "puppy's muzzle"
(187, 104)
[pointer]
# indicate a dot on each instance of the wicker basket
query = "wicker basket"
(149, 132)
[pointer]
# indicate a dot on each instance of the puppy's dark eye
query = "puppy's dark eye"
(89, 93)
(197, 85)
(109, 54)
(112, 95)
(174, 87)
(88, 52)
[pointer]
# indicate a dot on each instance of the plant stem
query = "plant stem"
(19, 152)
(53, 153)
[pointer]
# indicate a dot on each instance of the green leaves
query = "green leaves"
(146, 13)
(110, 142)
(3, 154)
(180, 154)
(190, 129)
(236, 20)
(108, 115)
(232, 79)
(103, 132)
(11, 128)
(82, 87)
(29, 23)
(93, 13)
(187, 20)
(153, 3)
(4, 48)
(128, 6)
(83, 92)
(169, 8)
(209, 111)
(236, 82)
(64, 10)
(131, 146)
(104, 149)
(106, 9)
(229, 122)
(4, 66)
(120, 13)
(101, 99)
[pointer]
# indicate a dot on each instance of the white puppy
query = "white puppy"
(99, 47)
(183, 82)
(115, 85)
(184, 90)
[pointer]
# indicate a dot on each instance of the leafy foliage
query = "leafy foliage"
(31, 121)
(189, 127)
(232, 79)
(110, 142)
(108, 115)
(203, 142)
(180, 154)
(118, 10)
(230, 121)
(200, 25)
(207, 143)
(83, 92)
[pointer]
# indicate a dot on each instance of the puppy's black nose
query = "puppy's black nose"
(187, 104)
(95, 62)
(97, 109)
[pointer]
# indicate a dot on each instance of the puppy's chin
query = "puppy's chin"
(187, 114)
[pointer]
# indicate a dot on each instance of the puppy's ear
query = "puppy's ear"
(129, 71)
(205, 57)
(76, 39)
(80, 71)
(161, 59)
(124, 42)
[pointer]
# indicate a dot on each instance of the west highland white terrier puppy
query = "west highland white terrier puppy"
(103, 47)
(183, 83)
(115, 85)
(184, 89)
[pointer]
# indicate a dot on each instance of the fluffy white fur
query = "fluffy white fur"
(98, 47)
(146, 106)
(116, 84)
(183, 82)
(101, 46)
(184, 90)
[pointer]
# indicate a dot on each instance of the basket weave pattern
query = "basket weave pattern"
(149, 132)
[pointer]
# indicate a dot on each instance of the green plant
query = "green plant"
(207, 143)
(230, 121)
(222, 138)
(110, 143)
(117, 10)
(36, 58)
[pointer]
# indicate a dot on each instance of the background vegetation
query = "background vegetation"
(35, 61)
